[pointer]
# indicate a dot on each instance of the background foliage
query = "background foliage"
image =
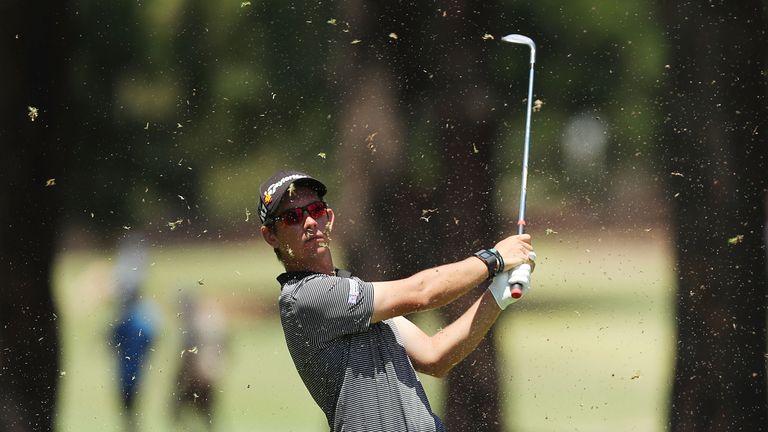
(202, 100)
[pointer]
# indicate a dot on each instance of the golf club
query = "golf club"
(516, 289)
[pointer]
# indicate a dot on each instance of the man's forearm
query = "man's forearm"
(446, 283)
(461, 337)
(430, 289)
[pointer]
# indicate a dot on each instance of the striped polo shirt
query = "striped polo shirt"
(358, 373)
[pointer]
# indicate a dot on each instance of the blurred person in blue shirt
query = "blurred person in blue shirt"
(134, 332)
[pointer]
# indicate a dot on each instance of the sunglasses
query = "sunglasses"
(296, 215)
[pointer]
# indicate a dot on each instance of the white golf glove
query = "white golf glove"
(502, 284)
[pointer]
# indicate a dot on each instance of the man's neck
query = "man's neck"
(325, 267)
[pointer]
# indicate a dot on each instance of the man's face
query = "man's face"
(304, 243)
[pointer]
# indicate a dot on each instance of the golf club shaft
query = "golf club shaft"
(516, 289)
(526, 150)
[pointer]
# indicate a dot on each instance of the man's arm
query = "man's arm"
(436, 355)
(427, 289)
(441, 285)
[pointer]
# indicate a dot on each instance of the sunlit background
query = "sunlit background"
(590, 348)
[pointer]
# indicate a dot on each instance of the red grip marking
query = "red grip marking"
(516, 293)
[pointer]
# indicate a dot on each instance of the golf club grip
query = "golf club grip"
(516, 289)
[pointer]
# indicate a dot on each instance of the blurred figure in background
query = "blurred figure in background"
(200, 368)
(134, 332)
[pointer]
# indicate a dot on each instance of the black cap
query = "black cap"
(272, 190)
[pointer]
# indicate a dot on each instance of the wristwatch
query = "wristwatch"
(492, 258)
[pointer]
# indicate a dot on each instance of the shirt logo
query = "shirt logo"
(354, 292)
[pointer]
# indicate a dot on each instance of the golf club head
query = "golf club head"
(522, 40)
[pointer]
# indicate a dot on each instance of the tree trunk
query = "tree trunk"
(467, 221)
(31, 52)
(371, 174)
(394, 222)
(716, 160)
(380, 201)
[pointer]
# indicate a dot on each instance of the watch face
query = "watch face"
(490, 260)
(487, 256)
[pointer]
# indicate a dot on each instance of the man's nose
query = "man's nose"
(309, 221)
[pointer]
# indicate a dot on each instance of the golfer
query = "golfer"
(348, 338)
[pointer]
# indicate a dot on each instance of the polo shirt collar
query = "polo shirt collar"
(287, 277)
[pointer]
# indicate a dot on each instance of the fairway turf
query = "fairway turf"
(589, 348)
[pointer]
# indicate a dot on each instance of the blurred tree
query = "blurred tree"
(33, 52)
(466, 114)
(418, 126)
(105, 42)
(133, 112)
(716, 160)
(178, 98)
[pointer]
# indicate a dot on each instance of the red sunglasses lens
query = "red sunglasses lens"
(316, 210)
(292, 216)
(296, 215)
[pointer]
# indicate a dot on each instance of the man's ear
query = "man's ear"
(269, 237)
(331, 218)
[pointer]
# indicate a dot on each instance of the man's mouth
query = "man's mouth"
(311, 237)
(322, 241)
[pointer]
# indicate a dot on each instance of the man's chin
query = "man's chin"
(322, 250)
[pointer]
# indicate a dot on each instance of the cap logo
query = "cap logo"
(273, 187)
(268, 196)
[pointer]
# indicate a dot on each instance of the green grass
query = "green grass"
(590, 348)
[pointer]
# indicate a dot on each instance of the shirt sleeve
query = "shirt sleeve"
(328, 307)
